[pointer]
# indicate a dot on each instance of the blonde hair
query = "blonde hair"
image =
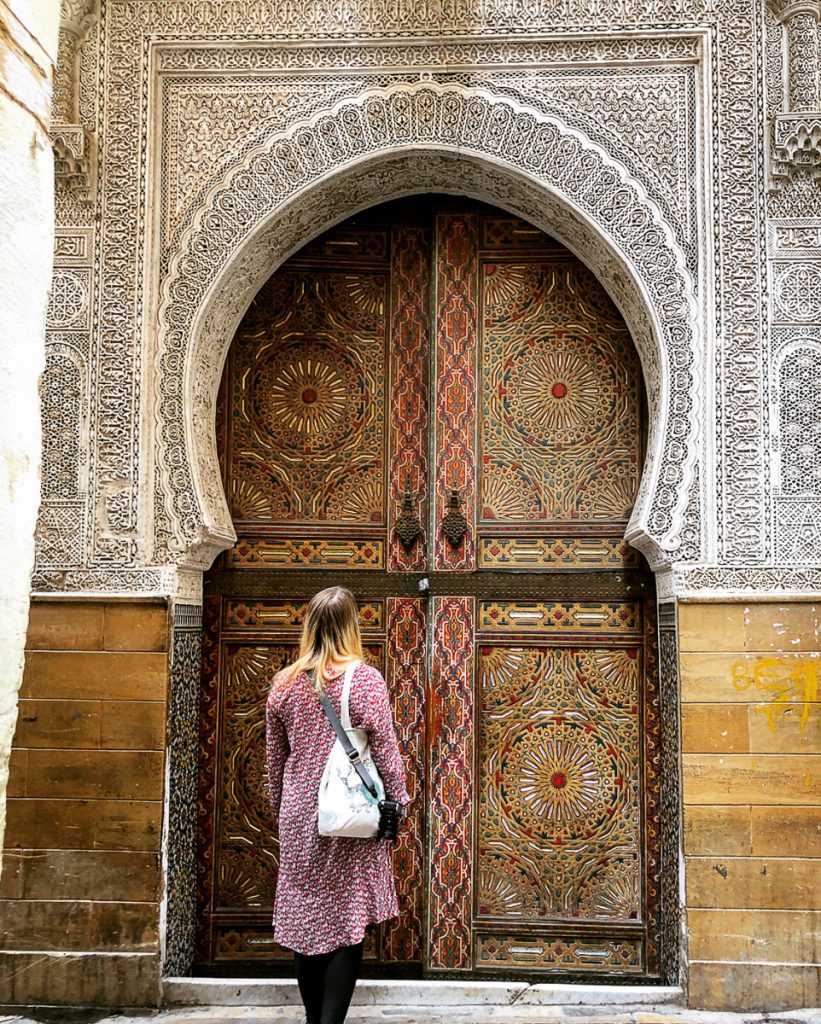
(330, 635)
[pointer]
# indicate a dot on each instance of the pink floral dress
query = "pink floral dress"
(328, 889)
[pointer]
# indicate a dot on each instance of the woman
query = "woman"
(329, 889)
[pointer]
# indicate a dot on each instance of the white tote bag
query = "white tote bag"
(346, 808)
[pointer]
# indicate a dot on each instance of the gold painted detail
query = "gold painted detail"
(560, 429)
(565, 953)
(558, 792)
(512, 233)
(562, 616)
(307, 553)
(307, 375)
(290, 614)
(570, 552)
(367, 244)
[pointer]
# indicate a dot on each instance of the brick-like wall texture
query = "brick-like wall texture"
(751, 750)
(85, 802)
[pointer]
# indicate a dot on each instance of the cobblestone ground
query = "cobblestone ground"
(429, 1015)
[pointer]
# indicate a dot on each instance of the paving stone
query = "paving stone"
(449, 1014)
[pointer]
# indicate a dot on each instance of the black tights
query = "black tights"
(326, 983)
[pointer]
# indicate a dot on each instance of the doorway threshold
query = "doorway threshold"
(178, 992)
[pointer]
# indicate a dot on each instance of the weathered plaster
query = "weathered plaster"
(28, 47)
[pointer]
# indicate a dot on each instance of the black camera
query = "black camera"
(390, 814)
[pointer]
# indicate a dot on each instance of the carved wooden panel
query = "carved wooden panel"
(561, 402)
(406, 649)
(323, 428)
(559, 801)
(450, 907)
(307, 437)
(556, 551)
(410, 385)
(538, 424)
(238, 847)
(455, 382)
(245, 847)
(565, 772)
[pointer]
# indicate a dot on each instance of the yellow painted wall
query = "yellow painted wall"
(751, 751)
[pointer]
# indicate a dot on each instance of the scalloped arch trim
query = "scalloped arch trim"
(384, 144)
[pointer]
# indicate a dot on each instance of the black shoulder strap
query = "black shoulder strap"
(347, 746)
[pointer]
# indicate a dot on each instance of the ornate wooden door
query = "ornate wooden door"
(438, 406)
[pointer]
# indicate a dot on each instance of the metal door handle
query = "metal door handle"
(408, 527)
(454, 525)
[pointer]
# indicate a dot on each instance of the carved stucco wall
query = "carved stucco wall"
(390, 142)
(228, 133)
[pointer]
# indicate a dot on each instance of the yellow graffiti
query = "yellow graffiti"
(785, 681)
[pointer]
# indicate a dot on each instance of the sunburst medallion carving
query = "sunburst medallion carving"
(558, 391)
(308, 396)
(559, 780)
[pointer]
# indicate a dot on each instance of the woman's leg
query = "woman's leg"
(310, 976)
(340, 980)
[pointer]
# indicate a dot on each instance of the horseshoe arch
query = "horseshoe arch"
(382, 145)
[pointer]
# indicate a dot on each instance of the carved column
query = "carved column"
(72, 148)
(76, 17)
(797, 134)
(802, 56)
(801, 19)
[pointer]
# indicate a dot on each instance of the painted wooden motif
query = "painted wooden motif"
(410, 355)
(407, 643)
(561, 402)
(249, 642)
(438, 406)
(559, 787)
(455, 382)
(450, 908)
(556, 551)
(307, 442)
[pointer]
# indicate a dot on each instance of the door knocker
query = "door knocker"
(408, 527)
(454, 525)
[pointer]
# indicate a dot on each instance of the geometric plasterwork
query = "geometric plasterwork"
(393, 141)
(69, 302)
(74, 145)
(794, 250)
(652, 117)
(796, 430)
(796, 292)
(670, 94)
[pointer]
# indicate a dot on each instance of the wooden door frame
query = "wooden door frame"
(603, 584)
(188, 647)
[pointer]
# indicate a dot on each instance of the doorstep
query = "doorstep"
(284, 992)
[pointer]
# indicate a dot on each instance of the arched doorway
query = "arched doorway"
(438, 405)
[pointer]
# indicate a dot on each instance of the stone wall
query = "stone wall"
(85, 807)
(751, 749)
